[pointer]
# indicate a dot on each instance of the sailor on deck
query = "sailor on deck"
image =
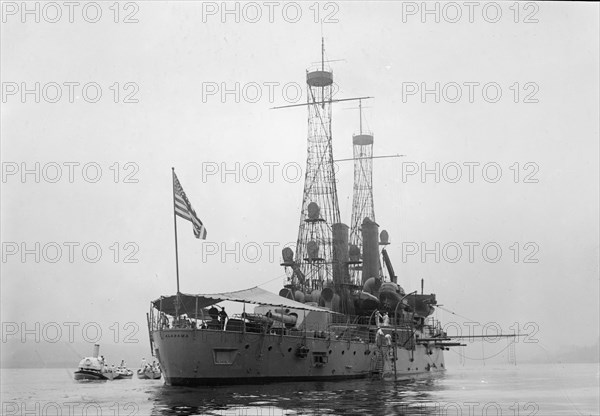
(379, 337)
(378, 318)
(223, 317)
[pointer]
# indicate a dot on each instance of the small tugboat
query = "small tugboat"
(123, 372)
(149, 371)
(93, 368)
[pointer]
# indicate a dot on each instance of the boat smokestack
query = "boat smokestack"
(340, 253)
(370, 241)
(96, 352)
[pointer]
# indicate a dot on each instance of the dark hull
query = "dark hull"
(86, 375)
(191, 382)
(205, 357)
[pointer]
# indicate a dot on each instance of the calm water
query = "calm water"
(569, 389)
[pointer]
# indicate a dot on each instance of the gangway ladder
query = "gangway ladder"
(395, 358)
(512, 353)
(378, 364)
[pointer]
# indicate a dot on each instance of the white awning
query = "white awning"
(189, 304)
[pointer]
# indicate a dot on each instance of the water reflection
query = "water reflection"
(357, 397)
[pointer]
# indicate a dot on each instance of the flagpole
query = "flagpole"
(175, 225)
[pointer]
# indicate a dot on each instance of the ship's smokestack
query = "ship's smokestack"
(340, 253)
(327, 295)
(96, 352)
(370, 240)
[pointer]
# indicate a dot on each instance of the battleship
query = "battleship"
(341, 314)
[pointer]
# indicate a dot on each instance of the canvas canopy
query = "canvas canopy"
(189, 304)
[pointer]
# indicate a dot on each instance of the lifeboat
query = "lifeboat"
(149, 372)
(122, 372)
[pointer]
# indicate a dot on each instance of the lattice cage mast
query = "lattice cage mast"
(362, 200)
(320, 208)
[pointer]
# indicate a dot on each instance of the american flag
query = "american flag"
(184, 209)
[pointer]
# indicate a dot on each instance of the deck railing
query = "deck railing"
(341, 327)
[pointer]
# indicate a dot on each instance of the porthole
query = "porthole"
(270, 347)
(290, 349)
(247, 346)
(343, 352)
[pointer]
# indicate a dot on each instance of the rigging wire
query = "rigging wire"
(454, 313)
(271, 280)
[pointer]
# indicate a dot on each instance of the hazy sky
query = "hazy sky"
(540, 209)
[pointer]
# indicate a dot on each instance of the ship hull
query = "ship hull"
(148, 374)
(190, 357)
(87, 375)
(222, 381)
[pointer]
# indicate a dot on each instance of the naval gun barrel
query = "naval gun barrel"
(289, 320)
(283, 316)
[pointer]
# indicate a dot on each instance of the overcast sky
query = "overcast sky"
(540, 209)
